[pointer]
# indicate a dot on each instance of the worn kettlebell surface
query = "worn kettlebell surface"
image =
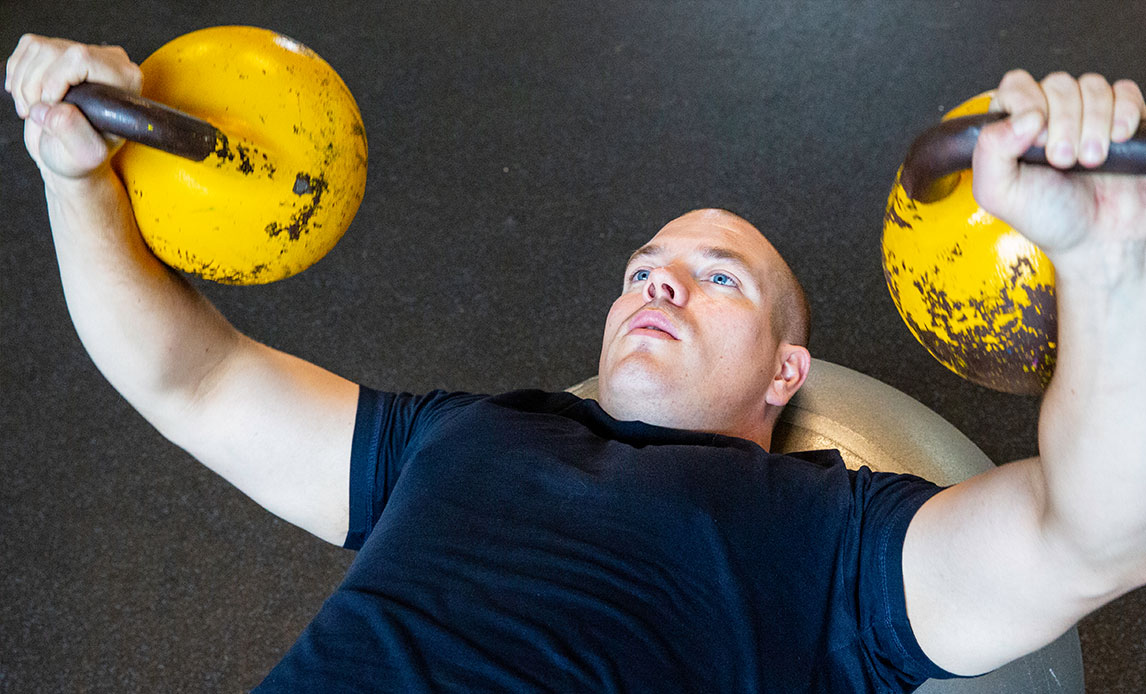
(976, 293)
(280, 188)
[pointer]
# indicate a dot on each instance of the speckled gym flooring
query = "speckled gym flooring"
(519, 150)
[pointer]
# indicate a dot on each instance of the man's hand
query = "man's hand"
(1084, 223)
(58, 137)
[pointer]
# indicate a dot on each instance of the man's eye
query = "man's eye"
(723, 279)
(640, 275)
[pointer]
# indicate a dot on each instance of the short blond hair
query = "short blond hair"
(791, 313)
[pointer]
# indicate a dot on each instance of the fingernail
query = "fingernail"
(1064, 152)
(1025, 125)
(1121, 129)
(37, 113)
(1091, 152)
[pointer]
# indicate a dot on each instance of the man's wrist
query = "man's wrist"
(1111, 267)
(95, 185)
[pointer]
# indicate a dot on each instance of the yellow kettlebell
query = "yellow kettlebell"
(975, 292)
(257, 165)
(972, 290)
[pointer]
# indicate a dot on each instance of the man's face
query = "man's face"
(689, 343)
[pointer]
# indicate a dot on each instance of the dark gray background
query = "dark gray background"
(519, 150)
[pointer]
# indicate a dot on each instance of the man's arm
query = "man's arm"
(276, 427)
(1002, 564)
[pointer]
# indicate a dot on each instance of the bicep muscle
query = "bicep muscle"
(278, 428)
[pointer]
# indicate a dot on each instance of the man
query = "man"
(535, 541)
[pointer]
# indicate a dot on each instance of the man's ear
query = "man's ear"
(794, 364)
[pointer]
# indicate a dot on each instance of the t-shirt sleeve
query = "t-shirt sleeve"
(888, 502)
(384, 428)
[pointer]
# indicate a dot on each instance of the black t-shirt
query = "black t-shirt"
(530, 542)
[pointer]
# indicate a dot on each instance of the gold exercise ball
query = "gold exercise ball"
(976, 293)
(282, 186)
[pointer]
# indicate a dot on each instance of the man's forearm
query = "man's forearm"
(1092, 430)
(148, 331)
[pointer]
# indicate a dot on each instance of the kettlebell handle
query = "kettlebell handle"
(942, 151)
(118, 112)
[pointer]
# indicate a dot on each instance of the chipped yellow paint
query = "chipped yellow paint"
(281, 189)
(976, 293)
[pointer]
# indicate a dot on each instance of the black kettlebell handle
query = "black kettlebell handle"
(946, 149)
(122, 113)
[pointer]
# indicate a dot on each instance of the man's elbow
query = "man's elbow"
(1100, 563)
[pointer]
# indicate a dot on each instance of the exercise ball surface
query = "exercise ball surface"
(282, 186)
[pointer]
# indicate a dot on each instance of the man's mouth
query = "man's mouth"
(654, 324)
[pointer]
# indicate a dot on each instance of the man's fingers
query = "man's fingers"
(1018, 92)
(116, 69)
(70, 68)
(1064, 122)
(1097, 117)
(1129, 110)
(24, 68)
(18, 66)
(14, 60)
(103, 64)
(48, 79)
(36, 65)
(42, 69)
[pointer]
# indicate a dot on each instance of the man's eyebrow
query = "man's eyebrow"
(647, 249)
(718, 253)
(710, 252)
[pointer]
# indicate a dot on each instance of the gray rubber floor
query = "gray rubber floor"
(519, 150)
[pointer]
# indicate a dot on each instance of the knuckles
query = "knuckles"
(77, 53)
(1092, 78)
(1060, 84)
(1094, 86)
(28, 39)
(64, 57)
(1016, 77)
(1129, 86)
(1015, 81)
(135, 76)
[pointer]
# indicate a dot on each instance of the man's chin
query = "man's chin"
(638, 390)
(638, 373)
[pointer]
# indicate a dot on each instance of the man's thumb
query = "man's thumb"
(69, 145)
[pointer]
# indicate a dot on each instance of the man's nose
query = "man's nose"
(664, 284)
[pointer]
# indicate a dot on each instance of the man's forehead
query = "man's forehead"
(713, 234)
